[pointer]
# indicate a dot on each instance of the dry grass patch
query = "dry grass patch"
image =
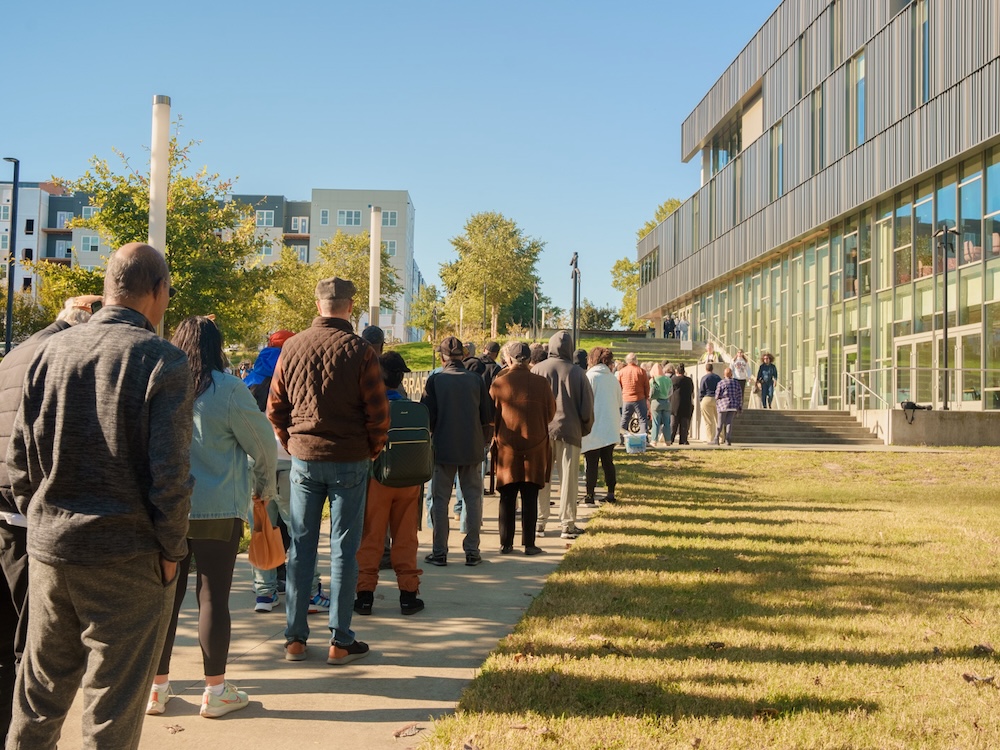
(750, 599)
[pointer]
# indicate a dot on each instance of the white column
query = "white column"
(159, 173)
(375, 267)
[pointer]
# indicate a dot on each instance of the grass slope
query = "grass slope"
(744, 599)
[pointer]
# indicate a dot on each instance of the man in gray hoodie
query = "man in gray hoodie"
(574, 418)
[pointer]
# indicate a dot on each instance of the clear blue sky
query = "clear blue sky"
(564, 116)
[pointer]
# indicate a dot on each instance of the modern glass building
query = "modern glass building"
(834, 149)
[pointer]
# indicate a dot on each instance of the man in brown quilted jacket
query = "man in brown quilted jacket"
(330, 412)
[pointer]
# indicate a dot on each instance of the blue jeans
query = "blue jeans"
(638, 408)
(346, 486)
(766, 393)
(661, 422)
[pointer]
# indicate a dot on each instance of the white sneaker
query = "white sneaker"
(159, 695)
(213, 706)
(569, 534)
(265, 603)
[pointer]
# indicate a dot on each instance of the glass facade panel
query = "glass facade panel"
(993, 236)
(971, 295)
(923, 311)
(993, 182)
(923, 237)
(850, 265)
(946, 196)
(903, 315)
(971, 222)
(991, 398)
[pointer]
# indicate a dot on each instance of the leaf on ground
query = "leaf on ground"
(967, 620)
(519, 726)
(717, 645)
(937, 651)
(817, 680)
(696, 743)
(518, 658)
(470, 746)
(977, 680)
(766, 713)
(547, 734)
(408, 731)
(982, 649)
(174, 728)
(554, 679)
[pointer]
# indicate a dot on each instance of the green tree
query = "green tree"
(625, 278)
(212, 248)
(495, 257)
(28, 316)
(519, 311)
(291, 295)
(347, 256)
(57, 283)
(422, 310)
(594, 318)
(662, 212)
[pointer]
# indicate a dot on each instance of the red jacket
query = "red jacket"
(635, 383)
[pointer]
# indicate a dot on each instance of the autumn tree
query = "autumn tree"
(424, 308)
(625, 278)
(212, 247)
(28, 315)
(57, 283)
(496, 260)
(291, 298)
(662, 212)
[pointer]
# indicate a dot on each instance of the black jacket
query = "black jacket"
(461, 415)
(682, 396)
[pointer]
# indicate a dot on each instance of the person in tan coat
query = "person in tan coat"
(524, 407)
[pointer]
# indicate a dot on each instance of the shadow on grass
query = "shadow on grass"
(556, 693)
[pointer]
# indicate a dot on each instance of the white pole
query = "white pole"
(159, 173)
(375, 267)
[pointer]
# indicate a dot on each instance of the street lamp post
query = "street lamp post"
(534, 308)
(945, 245)
(484, 309)
(11, 254)
(434, 337)
(575, 275)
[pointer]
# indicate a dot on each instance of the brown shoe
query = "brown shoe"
(295, 651)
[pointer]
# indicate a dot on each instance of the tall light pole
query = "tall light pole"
(945, 245)
(484, 310)
(434, 337)
(576, 302)
(12, 253)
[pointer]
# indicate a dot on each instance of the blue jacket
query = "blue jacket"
(263, 366)
(228, 427)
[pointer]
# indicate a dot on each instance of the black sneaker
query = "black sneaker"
(506, 549)
(590, 500)
(471, 560)
(346, 654)
(433, 559)
(409, 604)
(532, 550)
(364, 602)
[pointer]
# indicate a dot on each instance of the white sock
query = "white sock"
(163, 687)
(216, 689)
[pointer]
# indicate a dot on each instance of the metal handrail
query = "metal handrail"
(859, 377)
(848, 376)
(730, 351)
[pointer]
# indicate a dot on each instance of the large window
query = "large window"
(324, 217)
(89, 211)
(348, 218)
(389, 218)
(923, 229)
(993, 203)
(63, 218)
(390, 247)
(265, 218)
(903, 236)
(300, 224)
(4, 213)
(970, 219)
(90, 243)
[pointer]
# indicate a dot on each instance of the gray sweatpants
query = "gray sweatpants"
(99, 626)
(471, 480)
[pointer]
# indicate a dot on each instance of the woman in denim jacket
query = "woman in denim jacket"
(229, 431)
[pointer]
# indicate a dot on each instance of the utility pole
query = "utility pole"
(575, 275)
(12, 253)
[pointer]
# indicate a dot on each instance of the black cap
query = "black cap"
(393, 362)
(452, 347)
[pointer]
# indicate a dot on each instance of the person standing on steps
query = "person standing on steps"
(767, 376)
(741, 371)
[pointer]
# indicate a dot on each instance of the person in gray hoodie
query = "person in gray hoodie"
(574, 418)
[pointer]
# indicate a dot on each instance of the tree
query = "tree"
(594, 318)
(494, 257)
(212, 248)
(519, 311)
(57, 283)
(28, 317)
(625, 278)
(662, 212)
(347, 256)
(291, 296)
(423, 307)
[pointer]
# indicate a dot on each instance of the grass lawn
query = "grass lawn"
(752, 599)
(418, 355)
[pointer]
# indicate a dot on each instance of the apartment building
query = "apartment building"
(305, 225)
(848, 219)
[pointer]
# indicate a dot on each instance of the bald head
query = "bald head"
(133, 272)
(137, 277)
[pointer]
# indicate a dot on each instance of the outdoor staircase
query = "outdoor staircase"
(658, 350)
(776, 427)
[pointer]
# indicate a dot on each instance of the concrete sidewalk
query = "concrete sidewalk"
(417, 668)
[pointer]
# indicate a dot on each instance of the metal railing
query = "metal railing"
(969, 388)
(783, 394)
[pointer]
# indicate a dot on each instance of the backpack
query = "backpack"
(407, 459)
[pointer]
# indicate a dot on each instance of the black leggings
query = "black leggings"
(216, 560)
(606, 456)
(508, 513)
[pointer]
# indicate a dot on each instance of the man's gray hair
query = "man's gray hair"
(630, 358)
(132, 275)
(73, 315)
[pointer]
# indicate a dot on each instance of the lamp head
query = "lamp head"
(11, 159)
